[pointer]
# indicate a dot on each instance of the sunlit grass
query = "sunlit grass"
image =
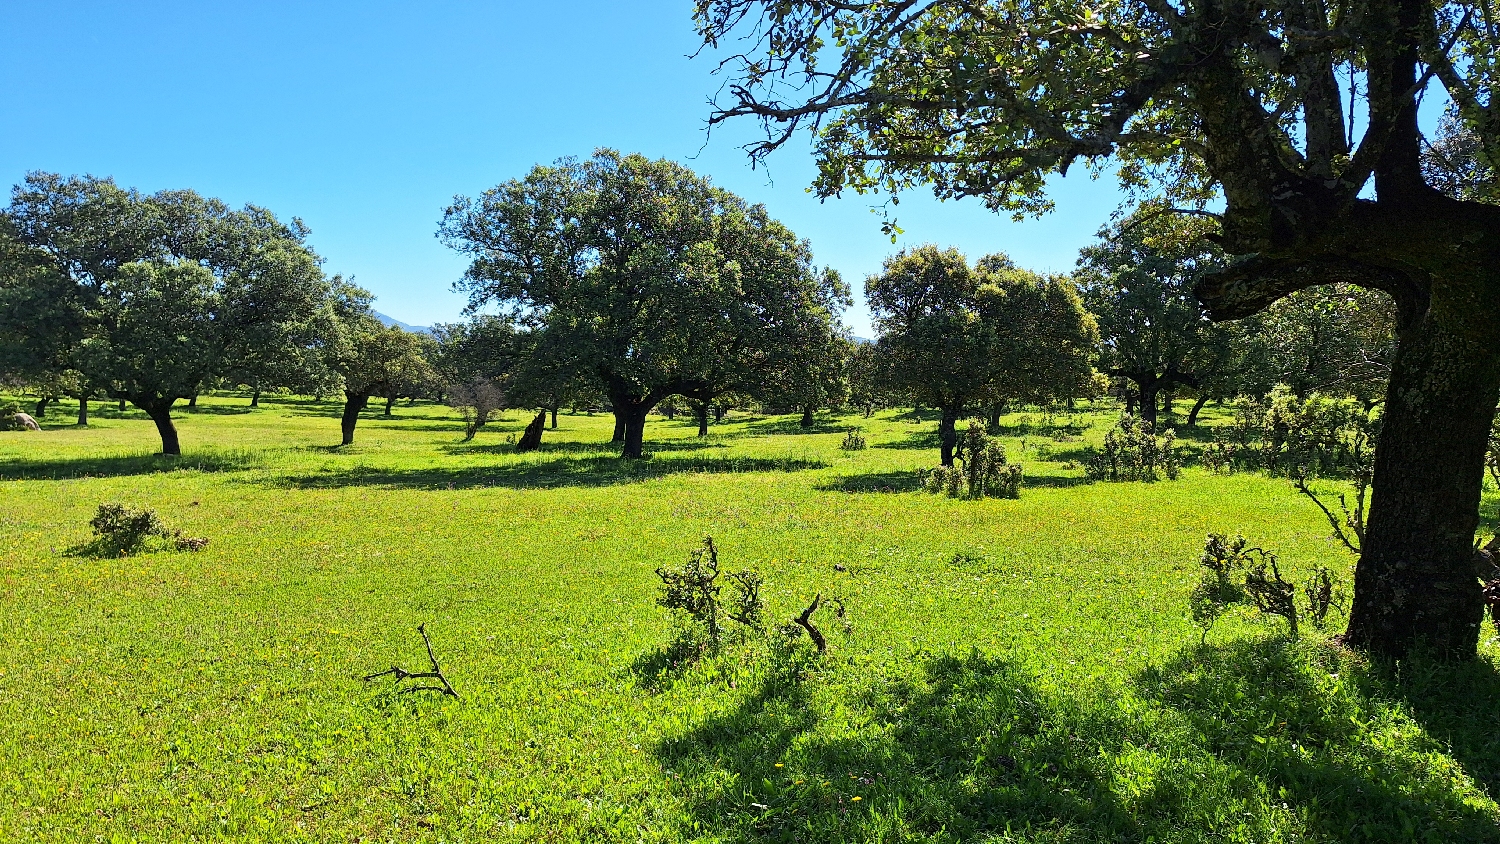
(1017, 668)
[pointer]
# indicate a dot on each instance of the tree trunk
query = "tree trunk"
(255, 396)
(948, 433)
(869, 410)
(531, 438)
(719, 411)
(193, 401)
(807, 416)
(619, 434)
(1415, 583)
(1192, 419)
(41, 406)
(1130, 402)
(995, 410)
(701, 412)
(390, 402)
(670, 411)
(353, 404)
(554, 416)
(635, 428)
(83, 412)
(160, 411)
(1149, 391)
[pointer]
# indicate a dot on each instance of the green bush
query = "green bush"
(122, 530)
(1133, 452)
(985, 471)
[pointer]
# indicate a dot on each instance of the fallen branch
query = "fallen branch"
(402, 674)
(805, 620)
(1355, 520)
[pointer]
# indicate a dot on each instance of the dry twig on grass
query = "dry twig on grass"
(402, 674)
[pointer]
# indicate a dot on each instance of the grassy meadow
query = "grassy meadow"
(1013, 670)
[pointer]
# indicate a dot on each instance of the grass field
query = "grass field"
(1016, 671)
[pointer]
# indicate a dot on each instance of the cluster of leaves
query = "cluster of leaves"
(1261, 586)
(984, 470)
(853, 441)
(1283, 433)
(120, 530)
(1133, 452)
(693, 590)
(8, 420)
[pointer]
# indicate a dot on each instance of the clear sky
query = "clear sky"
(365, 119)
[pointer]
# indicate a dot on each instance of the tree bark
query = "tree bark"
(353, 404)
(255, 396)
(390, 402)
(701, 412)
(619, 435)
(1415, 583)
(83, 412)
(122, 406)
(1149, 391)
(807, 416)
(719, 411)
(41, 406)
(995, 410)
(554, 416)
(1130, 402)
(1192, 419)
(160, 411)
(193, 401)
(635, 428)
(948, 433)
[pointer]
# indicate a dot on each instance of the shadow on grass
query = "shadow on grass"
(905, 480)
(793, 425)
(131, 464)
(918, 440)
(214, 410)
(1252, 740)
(602, 470)
(596, 447)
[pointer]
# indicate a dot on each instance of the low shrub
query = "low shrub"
(1133, 452)
(984, 471)
(122, 530)
(853, 441)
(1261, 586)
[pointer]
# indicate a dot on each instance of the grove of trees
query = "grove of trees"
(1301, 118)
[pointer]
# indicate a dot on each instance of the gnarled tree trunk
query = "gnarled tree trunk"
(160, 411)
(1192, 419)
(531, 438)
(1415, 583)
(353, 404)
(948, 433)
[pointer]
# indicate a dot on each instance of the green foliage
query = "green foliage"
(984, 472)
(643, 279)
(1261, 585)
(692, 590)
(853, 441)
(1132, 451)
(120, 531)
(1287, 435)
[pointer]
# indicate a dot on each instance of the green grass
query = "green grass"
(1018, 670)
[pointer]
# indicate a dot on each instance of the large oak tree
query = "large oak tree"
(149, 297)
(1196, 99)
(641, 275)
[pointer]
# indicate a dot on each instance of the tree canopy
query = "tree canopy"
(642, 276)
(148, 297)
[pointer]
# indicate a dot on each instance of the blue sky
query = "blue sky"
(366, 119)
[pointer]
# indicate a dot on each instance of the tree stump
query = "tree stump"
(531, 440)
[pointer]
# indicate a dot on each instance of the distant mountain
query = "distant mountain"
(415, 329)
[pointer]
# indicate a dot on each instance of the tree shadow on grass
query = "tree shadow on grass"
(793, 425)
(213, 410)
(917, 440)
(62, 469)
(601, 470)
(574, 447)
(1248, 741)
(904, 480)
